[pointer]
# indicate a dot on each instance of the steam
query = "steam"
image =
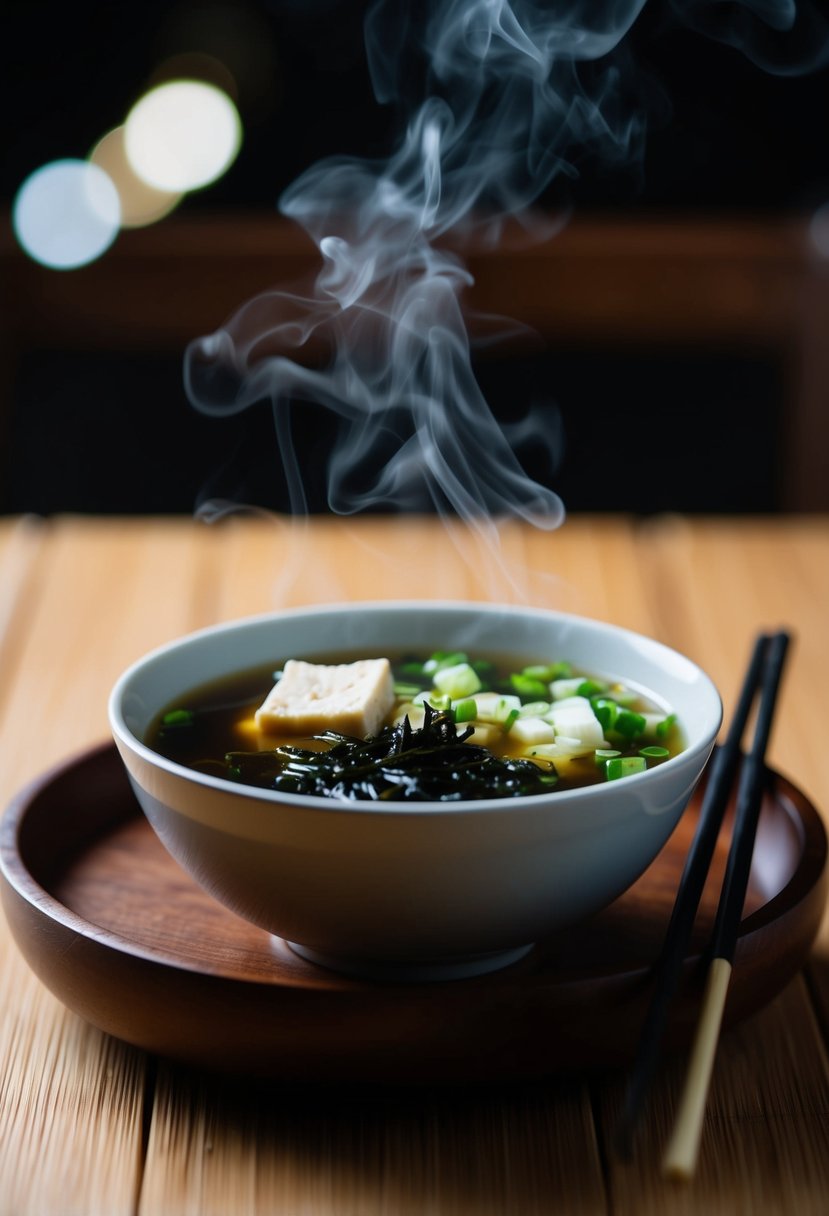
(498, 100)
(783, 37)
(512, 96)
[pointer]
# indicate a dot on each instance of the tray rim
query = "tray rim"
(809, 823)
(312, 1026)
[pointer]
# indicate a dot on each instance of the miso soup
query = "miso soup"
(459, 727)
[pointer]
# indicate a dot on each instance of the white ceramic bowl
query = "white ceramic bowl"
(413, 890)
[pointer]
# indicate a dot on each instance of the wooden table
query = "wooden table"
(92, 1126)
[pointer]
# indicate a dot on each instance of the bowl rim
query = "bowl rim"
(124, 735)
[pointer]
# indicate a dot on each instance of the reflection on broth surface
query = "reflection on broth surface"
(460, 727)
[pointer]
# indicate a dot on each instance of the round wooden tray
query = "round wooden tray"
(126, 939)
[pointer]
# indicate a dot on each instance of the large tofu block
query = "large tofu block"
(353, 698)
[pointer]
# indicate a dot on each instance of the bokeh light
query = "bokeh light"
(140, 204)
(66, 214)
(182, 135)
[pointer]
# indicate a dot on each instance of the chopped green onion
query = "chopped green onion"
(457, 681)
(535, 709)
(406, 690)
(438, 701)
(444, 658)
(654, 753)
(606, 711)
(629, 723)
(589, 688)
(528, 686)
(625, 766)
(466, 711)
(547, 672)
(665, 727)
(413, 670)
(178, 717)
(510, 720)
(605, 753)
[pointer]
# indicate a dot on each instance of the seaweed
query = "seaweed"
(430, 763)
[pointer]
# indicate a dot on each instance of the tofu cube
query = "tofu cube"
(532, 730)
(579, 722)
(352, 698)
(484, 734)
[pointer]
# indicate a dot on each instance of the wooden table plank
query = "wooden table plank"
(765, 1146)
(593, 569)
(281, 563)
(82, 598)
(589, 566)
(106, 592)
(94, 596)
(20, 542)
(216, 1148)
(713, 584)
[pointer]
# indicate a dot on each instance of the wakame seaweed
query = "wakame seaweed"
(429, 763)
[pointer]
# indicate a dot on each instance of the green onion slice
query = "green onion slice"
(466, 711)
(528, 686)
(625, 766)
(606, 711)
(605, 753)
(590, 688)
(402, 689)
(665, 727)
(629, 723)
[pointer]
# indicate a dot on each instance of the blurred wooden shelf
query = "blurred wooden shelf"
(735, 283)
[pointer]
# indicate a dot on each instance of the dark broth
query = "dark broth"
(207, 723)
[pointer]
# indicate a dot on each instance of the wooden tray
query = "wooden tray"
(126, 939)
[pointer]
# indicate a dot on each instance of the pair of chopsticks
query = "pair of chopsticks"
(763, 677)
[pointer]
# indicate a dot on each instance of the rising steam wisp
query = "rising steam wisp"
(498, 100)
(510, 93)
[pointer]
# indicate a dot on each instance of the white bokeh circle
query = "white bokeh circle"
(182, 135)
(66, 214)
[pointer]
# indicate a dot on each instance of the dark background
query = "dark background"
(726, 138)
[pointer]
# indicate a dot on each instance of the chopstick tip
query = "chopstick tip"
(678, 1171)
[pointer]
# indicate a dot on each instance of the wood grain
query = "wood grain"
(93, 596)
(115, 928)
(765, 1146)
(216, 1148)
(713, 585)
(82, 598)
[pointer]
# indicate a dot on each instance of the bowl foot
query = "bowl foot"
(414, 972)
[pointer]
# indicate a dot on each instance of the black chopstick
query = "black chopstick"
(683, 1147)
(668, 967)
